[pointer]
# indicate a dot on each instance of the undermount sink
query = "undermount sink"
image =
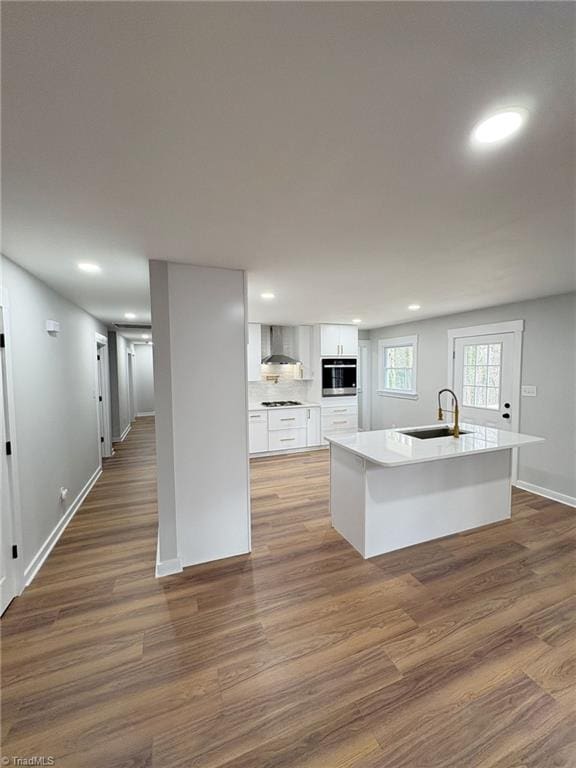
(428, 434)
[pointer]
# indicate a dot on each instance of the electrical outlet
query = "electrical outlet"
(529, 390)
(63, 494)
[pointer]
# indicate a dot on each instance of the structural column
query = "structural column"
(200, 383)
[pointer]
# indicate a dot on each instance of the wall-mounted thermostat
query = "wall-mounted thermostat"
(529, 390)
(52, 326)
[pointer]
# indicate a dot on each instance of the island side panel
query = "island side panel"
(347, 495)
(409, 504)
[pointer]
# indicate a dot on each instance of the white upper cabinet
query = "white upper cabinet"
(254, 351)
(349, 340)
(303, 350)
(338, 340)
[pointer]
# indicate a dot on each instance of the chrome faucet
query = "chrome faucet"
(456, 428)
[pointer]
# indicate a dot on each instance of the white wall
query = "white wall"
(56, 423)
(201, 411)
(144, 378)
(548, 361)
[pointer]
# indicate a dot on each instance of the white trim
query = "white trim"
(397, 393)
(399, 341)
(146, 413)
(17, 534)
(515, 327)
(570, 501)
(288, 451)
(507, 326)
(123, 436)
(101, 339)
(40, 557)
(166, 567)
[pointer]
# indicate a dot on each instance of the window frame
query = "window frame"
(399, 341)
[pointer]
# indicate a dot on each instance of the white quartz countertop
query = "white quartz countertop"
(392, 448)
(260, 407)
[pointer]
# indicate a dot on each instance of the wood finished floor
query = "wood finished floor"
(457, 653)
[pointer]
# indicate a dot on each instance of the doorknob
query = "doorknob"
(505, 415)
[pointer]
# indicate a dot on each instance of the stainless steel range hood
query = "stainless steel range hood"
(279, 345)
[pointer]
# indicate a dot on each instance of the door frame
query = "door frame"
(516, 328)
(102, 350)
(130, 371)
(366, 380)
(13, 478)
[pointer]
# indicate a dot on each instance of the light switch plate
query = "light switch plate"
(529, 390)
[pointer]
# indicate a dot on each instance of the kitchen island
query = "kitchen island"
(390, 489)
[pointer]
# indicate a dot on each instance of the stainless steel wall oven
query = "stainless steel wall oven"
(339, 376)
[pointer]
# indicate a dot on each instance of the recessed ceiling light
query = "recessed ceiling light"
(145, 335)
(414, 307)
(268, 295)
(129, 315)
(499, 127)
(356, 320)
(90, 268)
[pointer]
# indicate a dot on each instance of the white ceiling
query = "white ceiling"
(321, 147)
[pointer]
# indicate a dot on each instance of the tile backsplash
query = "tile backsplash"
(259, 391)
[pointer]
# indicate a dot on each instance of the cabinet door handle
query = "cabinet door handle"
(292, 418)
(341, 422)
(287, 439)
(340, 410)
(255, 417)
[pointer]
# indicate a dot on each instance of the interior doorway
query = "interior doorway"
(131, 400)
(11, 577)
(104, 435)
(364, 382)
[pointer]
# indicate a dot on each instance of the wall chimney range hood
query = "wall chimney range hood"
(278, 345)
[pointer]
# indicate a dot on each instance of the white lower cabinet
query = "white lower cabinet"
(285, 439)
(339, 419)
(284, 429)
(258, 436)
(313, 427)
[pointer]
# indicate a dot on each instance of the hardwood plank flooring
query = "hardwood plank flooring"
(455, 653)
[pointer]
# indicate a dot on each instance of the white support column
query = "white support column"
(200, 383)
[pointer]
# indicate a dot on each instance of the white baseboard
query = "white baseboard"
(123, 435)
(288, 451)
(570, 501)
(48, 546)
(146, 413)
(168, 567)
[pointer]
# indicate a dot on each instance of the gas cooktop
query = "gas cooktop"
(280, 403)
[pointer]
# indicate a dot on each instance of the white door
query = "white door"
(484, 380)
(8, 566)
(364, 393)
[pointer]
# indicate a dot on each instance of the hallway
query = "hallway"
(300, 655)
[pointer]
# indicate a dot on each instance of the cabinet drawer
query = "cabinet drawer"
(340, 410)
(287, 418)
(257, 417)
(337, 423)
(284, 439)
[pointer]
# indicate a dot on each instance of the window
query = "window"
(482, 374)
(397, 360)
